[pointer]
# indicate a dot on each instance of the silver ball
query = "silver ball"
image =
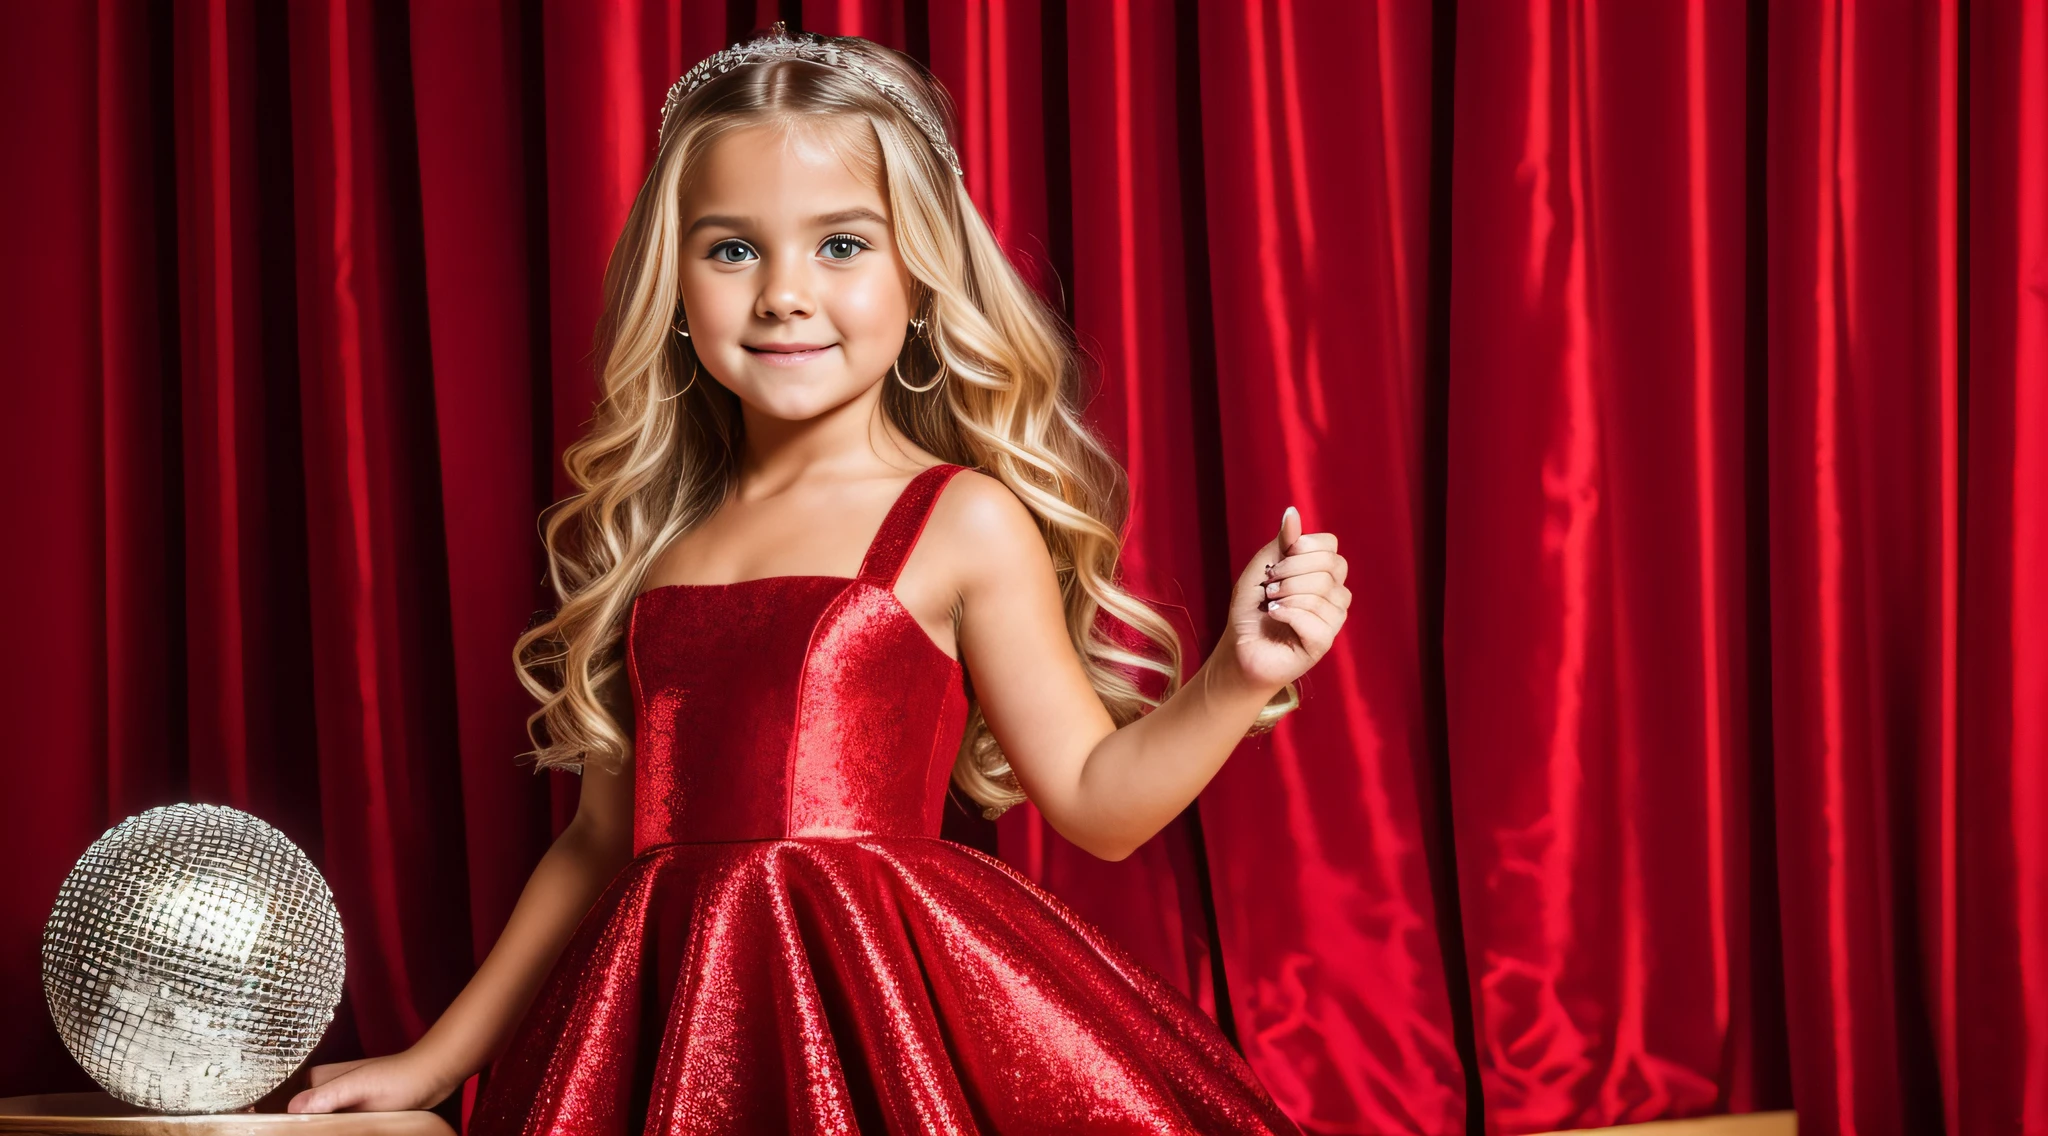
(193, 959)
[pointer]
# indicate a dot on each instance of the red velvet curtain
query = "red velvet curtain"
(1676, 375)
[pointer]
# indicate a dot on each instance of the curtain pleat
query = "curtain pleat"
(1676, 376)
(482, 225)
(59, 692)
(1318, 196)
(1994, 996)
(390, 778)
(1595, 618)
(1864, 521)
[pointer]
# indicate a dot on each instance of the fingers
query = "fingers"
(1308, 624)
(1325, 609)
(1290, 529)
(335, 1094)
(1283, 555)
(1318, 583)
(321, 1074)
(311, 1100)
(1319, 560)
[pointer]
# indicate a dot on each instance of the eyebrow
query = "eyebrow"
(861, 213)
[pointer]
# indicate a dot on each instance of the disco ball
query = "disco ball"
(193, 959)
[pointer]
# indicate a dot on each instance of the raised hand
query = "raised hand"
(1288, 604)
(394, 1083)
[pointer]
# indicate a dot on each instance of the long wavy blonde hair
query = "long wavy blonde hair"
(654, 463)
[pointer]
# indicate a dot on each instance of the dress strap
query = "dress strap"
(904, 524)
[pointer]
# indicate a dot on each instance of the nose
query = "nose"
(786, 291)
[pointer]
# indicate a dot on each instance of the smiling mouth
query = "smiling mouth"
(793, 349)
(786, 356)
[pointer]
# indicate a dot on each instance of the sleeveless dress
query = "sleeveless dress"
(794, 948)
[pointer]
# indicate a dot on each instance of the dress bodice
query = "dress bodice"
(793, 946)
(794, 706)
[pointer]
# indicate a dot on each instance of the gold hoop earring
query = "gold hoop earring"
(686, 386)
(920, 390)
(918, 324)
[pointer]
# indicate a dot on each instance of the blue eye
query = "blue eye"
(844, 239)
(718, 251)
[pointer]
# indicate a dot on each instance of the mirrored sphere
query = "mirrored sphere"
(193, 959)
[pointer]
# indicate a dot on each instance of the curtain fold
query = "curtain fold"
(1675, 375)
(1863, 458)
(63, 690)
(485, 263)
(1116, 262)
(1318, 194)
(1995, 993)
(377, 556)
(1595, 618)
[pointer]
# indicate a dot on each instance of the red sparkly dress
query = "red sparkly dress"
(795, 949)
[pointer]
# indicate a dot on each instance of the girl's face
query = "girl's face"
(793, 294)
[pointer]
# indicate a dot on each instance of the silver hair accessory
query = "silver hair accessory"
(780, 43)
(193, 959)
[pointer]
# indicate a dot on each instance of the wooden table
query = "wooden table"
(97, 1114)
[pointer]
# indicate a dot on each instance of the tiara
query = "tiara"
(779, 43)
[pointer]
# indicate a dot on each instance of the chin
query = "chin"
(796, 405)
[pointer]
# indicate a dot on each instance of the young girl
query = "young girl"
(842, 540)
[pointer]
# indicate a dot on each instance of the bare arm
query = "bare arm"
(1109, 790)
(565, 884)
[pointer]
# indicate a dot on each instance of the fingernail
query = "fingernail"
(1291, 512)
(1272, 589)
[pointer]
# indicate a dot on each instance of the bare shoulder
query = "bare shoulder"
(989, 533)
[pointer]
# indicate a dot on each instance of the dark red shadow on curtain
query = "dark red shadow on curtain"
(1676, 376)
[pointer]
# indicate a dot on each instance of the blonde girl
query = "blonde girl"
(842, 539)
